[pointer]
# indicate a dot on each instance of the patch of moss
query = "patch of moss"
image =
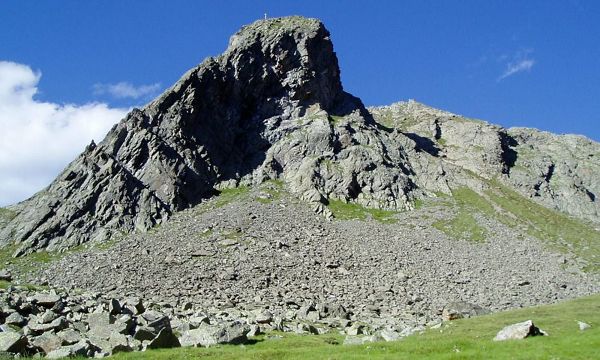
(352, 211)
(560, 231)
(228, 195)
(273, 189)
(335, 119)
(31, 262)
(7, 214)
(462, 227)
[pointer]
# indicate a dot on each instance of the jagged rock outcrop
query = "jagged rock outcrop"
(272, 106)
(448, 151)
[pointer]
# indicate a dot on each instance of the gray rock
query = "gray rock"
(15, 319)
(5, 275)
(583, 326)
(462, 309)
(389, 335)
(82, 348)
(48, 342)
(208, 335)
(262, 316)
(359, 340)
(352, 340)
(47, 317)
(118, 343)
(144, 333)
(46, 300)
(165, 339)
(69, 336)
(114, 307)
(154, 320)
(56, 324)
(519, 331)
(13, 342)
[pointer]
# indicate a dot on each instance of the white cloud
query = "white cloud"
(521, 61)
(513, 68)
(38, 139)
(126, 90)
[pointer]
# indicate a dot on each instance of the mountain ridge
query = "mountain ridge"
(272, 106)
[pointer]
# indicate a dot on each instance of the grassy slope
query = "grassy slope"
(462, 339)
(351, 211)
(559, 231)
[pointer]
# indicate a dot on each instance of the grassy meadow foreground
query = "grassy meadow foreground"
(460, 339)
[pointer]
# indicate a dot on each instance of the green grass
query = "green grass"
(30, 262)
(559, 231)
(273, 188)
(335, 119)
(462, 227)
(352, 211)
(6, 216)
(228, 195)
(460, 339)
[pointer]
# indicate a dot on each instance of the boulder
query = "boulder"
(69, 336)
(207, 335)
(13, 342)
(462, 309)
(144, 333)
(519, 331)
(56, 324)
(118, 343)
(5, 275)
(164, 340)
(583, 326)
(48, 342)
(155, 320)
(47, 300)
(389, 335)
(15, 319)
(82, 348)
(262, 316)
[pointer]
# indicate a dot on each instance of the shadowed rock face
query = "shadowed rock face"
(272, 107)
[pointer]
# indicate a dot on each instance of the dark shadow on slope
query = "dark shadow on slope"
(509, 155)
(424, 144)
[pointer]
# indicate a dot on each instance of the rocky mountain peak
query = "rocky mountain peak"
(214, 126)
(272, 106)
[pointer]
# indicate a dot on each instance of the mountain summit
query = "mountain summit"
(271, 107)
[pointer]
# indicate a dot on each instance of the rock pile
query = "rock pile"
(58, 324)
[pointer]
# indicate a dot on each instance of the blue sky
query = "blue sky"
(514, 63)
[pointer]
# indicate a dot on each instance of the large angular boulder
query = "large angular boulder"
(519, 331)
(82, 348)
(13, 342)
(164, 340)
(207, 335)
(461, 309)
(48, 342)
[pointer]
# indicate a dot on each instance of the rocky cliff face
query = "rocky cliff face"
(272, 107)
(448, 151)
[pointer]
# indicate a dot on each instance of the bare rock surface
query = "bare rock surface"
(519, 331)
